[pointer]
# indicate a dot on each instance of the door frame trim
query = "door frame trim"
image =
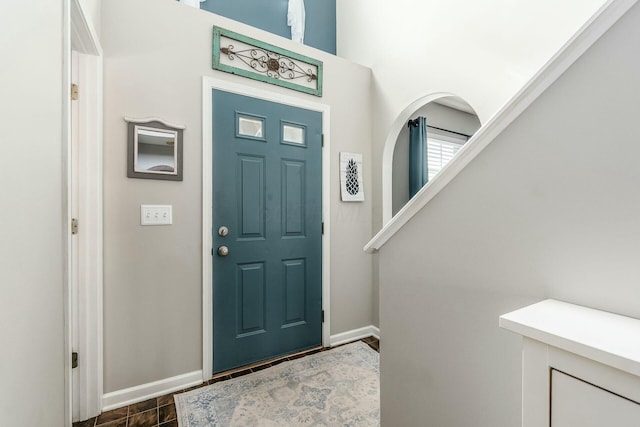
(81, 37)
(90, 237)
(208, 85)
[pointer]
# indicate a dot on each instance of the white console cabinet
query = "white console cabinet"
(580, 366)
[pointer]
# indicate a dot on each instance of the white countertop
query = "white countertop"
(607, 338)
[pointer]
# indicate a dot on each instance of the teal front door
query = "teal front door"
(267, 230)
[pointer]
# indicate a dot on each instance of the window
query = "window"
(441, 148)
(250, 127)
(293, 134)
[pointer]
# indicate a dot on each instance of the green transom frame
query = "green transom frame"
(238, 54)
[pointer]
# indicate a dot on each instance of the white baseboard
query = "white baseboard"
(375, 331)
(139, 393)
(354, 335)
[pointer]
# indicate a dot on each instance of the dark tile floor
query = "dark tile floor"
(161, 411)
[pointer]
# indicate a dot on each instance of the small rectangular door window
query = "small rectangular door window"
(249, 126)
(293, 134)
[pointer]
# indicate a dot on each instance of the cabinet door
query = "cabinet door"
(575, 403)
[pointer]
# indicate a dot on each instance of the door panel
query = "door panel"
(251, 204)
(251, 308)
(267, 169)
(293, 197)
(294, 292)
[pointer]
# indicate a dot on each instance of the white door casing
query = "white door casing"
(208, 84)
(84, 194)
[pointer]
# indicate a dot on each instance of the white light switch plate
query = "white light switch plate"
(156, 215)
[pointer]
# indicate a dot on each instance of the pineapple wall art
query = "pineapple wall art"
(351, 177)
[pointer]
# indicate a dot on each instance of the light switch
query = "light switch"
(156, 215)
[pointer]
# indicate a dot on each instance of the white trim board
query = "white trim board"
(598, 347)
(354, 335)
(80, 36)
(140, 393)
(582, 40)
(66, 211)
(607, 338)
(208, 85)
(90, 239)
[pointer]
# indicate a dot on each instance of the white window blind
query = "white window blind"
(440, 150)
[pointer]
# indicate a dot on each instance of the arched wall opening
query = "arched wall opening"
(444, 112)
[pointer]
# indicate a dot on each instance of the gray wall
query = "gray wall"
(31, 265)
(439, 116)
(541, 213)
(320, 22)
(152, 287)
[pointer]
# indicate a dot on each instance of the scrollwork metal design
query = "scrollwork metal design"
(270, 63)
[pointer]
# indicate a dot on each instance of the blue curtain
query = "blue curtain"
(418, 169)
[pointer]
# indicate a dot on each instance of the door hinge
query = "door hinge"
(74, 92)
(322, 316)
(323, 228)
(74, 225)
(74, 359)
(323, 139)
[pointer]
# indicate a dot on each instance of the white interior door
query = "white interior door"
(84, 190)
(74, 273)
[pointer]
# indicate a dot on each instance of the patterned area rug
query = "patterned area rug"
(338, 387)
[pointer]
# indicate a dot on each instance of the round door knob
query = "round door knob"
(223, 251)
(223, 231)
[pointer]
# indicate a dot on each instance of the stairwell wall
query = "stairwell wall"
(549, 210)
(483, 52)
